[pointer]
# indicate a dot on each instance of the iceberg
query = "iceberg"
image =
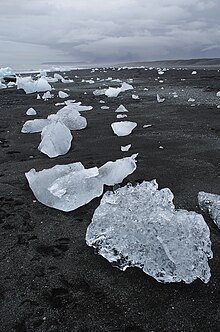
(55, 140)
(139, 227)
(121, 109)
(31, 111)
(210, 203)
(67, 187)
(123, 128)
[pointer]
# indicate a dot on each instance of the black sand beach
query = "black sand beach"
(50, 279)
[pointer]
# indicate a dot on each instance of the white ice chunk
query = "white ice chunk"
(99, 92)
(191, 100)
(62, 94)
(218, 94)
(121, 109)
(159, 99)
(135, 97)
(58, 76)
(112, 92)
(121, 116)
(105, 107)
(125, 86)
(31, 86)
(55, 139)
(6, 71)
(114, 172)
(123, 128)
(31, 111)
(125, 148)
(47, 95)
(147, 126)
(210, 203)
(194, 72)
(65, 80)
(139, 226)
(70, 117)
(34, 126)
(2, 85)
(67, 187)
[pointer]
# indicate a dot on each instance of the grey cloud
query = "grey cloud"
(109, 31)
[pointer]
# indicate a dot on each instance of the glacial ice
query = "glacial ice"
(31, 111)
(47, 95)
(125, 86)
(2, 85)
(123, 128)
(55, 139)
(139, 226)
(112, 92)
(62, 94)
(6, 71)
(70, 117)
(159, 99)
(210, 203)
(125, 147)
(67, 187)
(135, 97)
(218, 94)
(34, 126)
(99, 92)
(121, 109)
(31, 86)
(121, 116)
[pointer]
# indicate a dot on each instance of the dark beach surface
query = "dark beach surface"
(50, 279)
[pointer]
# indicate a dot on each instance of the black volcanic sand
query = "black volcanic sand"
(50, 279)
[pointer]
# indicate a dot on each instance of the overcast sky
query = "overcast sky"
(107, 31)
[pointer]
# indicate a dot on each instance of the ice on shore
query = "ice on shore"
(121, 109)
(218, 94)
(194, 72)
(34, 126)
(47, 95)
(99, 92)
(67, 187)
(6, 71)
(125, 148)
(159, 99)
(31, 86)
(123, 128)
(139, 227)
(135, 97)
(210, 203)
(31, 111)
(69, 115)
(62, 94)
(121, 116)
(55, 139)
(112, 92)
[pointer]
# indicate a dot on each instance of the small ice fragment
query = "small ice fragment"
(99, 92)
(160, 72)
(121, 109)
(38, 96)
(194, 72)
(191, 100)
(121, 116)
(218, 94)
(161, 147)
(112, 92)
(62, 94)
(210, 203)
(47, 95)
(105, 107)
(31, 111)
(135, 97)
(159, 99)
(147, 126)
(123, 128)
(125, 148)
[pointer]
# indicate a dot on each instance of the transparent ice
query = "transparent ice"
(67, 187)
(139, 226)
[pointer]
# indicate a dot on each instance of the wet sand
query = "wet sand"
(50, 280)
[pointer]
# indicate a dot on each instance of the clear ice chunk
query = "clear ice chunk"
(31, 86)
(70, 117)
(55, 139)
(31, 111)
(139, 226)
(210, 203)
(123, 128)
(121, 109)
(34, 126)
(67, 187)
